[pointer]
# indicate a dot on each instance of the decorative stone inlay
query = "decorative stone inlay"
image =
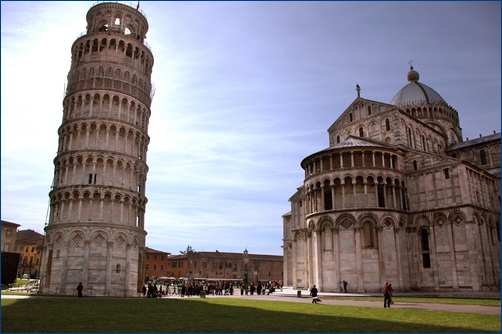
(119, 241)
(346, 224)
(98, 239)
(77, 239)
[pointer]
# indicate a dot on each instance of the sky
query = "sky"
(244, 92)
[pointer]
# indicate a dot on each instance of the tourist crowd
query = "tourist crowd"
(220, 288)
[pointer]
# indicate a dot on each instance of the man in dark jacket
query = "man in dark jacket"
(313, 293)
(80, 287)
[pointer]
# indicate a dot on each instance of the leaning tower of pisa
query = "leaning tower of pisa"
(95, 234)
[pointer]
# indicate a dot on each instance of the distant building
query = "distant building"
(30, 245)
(178, 266)
(10, 259)
(9, 231)
(222, 265)
(397, 196)
(156, 264)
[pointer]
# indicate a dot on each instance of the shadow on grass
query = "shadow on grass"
(102, 315)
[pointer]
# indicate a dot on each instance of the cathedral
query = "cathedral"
(400, 197)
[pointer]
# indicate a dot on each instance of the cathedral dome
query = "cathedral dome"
(416, 93)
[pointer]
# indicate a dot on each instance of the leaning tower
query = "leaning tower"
(95, 234)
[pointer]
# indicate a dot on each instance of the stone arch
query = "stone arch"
(402, 222)
(326, 221)
(299, 236)
(369, 232)
(439, 219)
(136, 242)
(312, 226)
(457, 217)
(388, 222)
(326, 233)
(59, 238)
(421, 220)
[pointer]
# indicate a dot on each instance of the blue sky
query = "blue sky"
(244, 91)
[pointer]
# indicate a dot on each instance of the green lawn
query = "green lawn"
(196, 315)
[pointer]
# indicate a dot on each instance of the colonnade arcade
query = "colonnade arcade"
(349, 159)
(105, 136)
(355, 192)
(339, 180)
(98, 205)
(98, 169)
(116, 107)
(91, 48)
(89, 77)
(435, 110)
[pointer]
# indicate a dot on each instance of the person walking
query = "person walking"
(387, 294)
(313, 293)
(80, 287)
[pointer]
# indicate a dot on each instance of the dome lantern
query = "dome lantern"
(413, 75)
(416, 93)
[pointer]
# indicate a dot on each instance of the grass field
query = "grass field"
(224, 315)
(458, 301)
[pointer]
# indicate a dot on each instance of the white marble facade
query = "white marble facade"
(398, 196)
(95, 233)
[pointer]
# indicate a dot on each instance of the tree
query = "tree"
(188, 250)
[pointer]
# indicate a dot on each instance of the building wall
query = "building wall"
(156, 264)
(31, 256)
(178, 266)
(222, 265)
(9, 236)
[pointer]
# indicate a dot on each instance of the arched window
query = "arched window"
(369, 110)
(424, 242)
(350, 117)
(381, 195)
(94, 46)
(482, 155)
(337, 139)
(117, 269)
(361, 132)
(415, 165)
(328, 199)
(387, 125)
